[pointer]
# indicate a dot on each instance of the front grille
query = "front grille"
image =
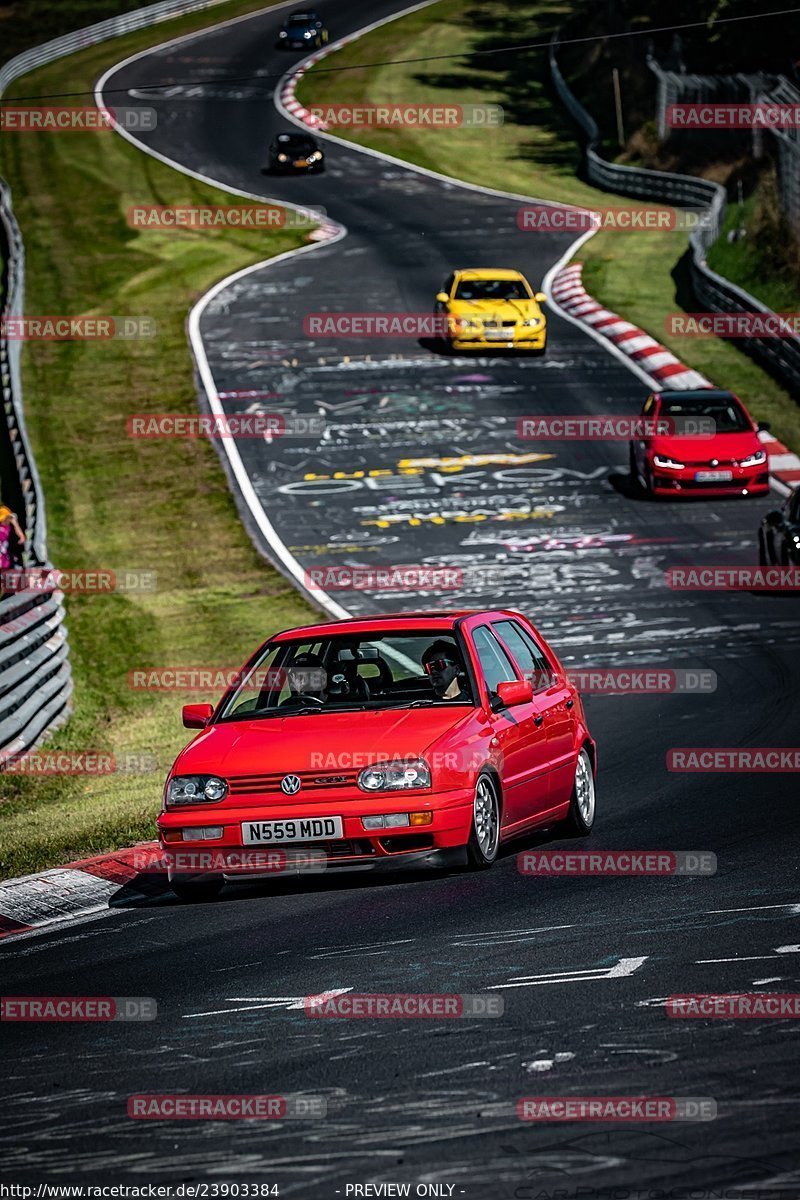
(407, 842)
(721, 464)
(250, 785)
(343, 848)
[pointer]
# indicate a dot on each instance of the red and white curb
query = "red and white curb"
(289, 86)
(652, 359)
(327, 229)
(36, 903)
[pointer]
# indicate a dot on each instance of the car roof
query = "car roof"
(434, 619)
(489, 273)
(697, 394)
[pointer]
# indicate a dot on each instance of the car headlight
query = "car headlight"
(283, 33)
(308, 34)
(669, 464)
(534, 322)
(395, 776)
(464, 323)
(283, 158)
(195, 789)
(753, 460)
(315, 157)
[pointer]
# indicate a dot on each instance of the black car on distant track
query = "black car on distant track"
(302, 30)
(779, 534)
(297, 153)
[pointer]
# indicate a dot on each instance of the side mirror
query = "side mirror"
(197, 716)
(442, 297)
(540, 297)
(763, 426)
(517, 692)
(774, 518)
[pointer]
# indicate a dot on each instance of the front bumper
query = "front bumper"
(523, 339)
(358, 848)
(750, 481)
(291, 168)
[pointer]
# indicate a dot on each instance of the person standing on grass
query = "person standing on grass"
(8, 525)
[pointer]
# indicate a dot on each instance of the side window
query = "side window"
(529, 657)
(495, 663)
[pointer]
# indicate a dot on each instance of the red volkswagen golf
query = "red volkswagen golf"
(424, 738)
(730, 461)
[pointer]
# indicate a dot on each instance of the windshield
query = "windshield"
(351, 672)
(299, 145)
(491, 289)
(727, 415)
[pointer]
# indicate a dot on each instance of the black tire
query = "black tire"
(479, 856)
(196, 889)
(634, 473)
(577, 823)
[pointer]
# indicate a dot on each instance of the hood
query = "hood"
(501, 309)
(313, 742)
(723, 446)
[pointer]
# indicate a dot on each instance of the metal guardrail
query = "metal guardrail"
(35, 676)
(780, 355)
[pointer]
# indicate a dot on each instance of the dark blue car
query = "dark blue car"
(302, 30)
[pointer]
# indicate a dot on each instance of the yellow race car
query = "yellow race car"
(489, 308)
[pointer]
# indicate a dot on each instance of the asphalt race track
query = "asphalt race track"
(583, 964)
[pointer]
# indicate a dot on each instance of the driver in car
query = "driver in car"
(444, 667)
(306, 677)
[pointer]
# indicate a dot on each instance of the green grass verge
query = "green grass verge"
(114, 502)
(759, 261)
(637, 274)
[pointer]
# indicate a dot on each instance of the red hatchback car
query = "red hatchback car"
(424, 738)
(730, 462)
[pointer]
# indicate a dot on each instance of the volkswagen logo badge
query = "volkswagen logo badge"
(290, 784)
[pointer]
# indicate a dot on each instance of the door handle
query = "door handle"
(570, 703)
(538, 719)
